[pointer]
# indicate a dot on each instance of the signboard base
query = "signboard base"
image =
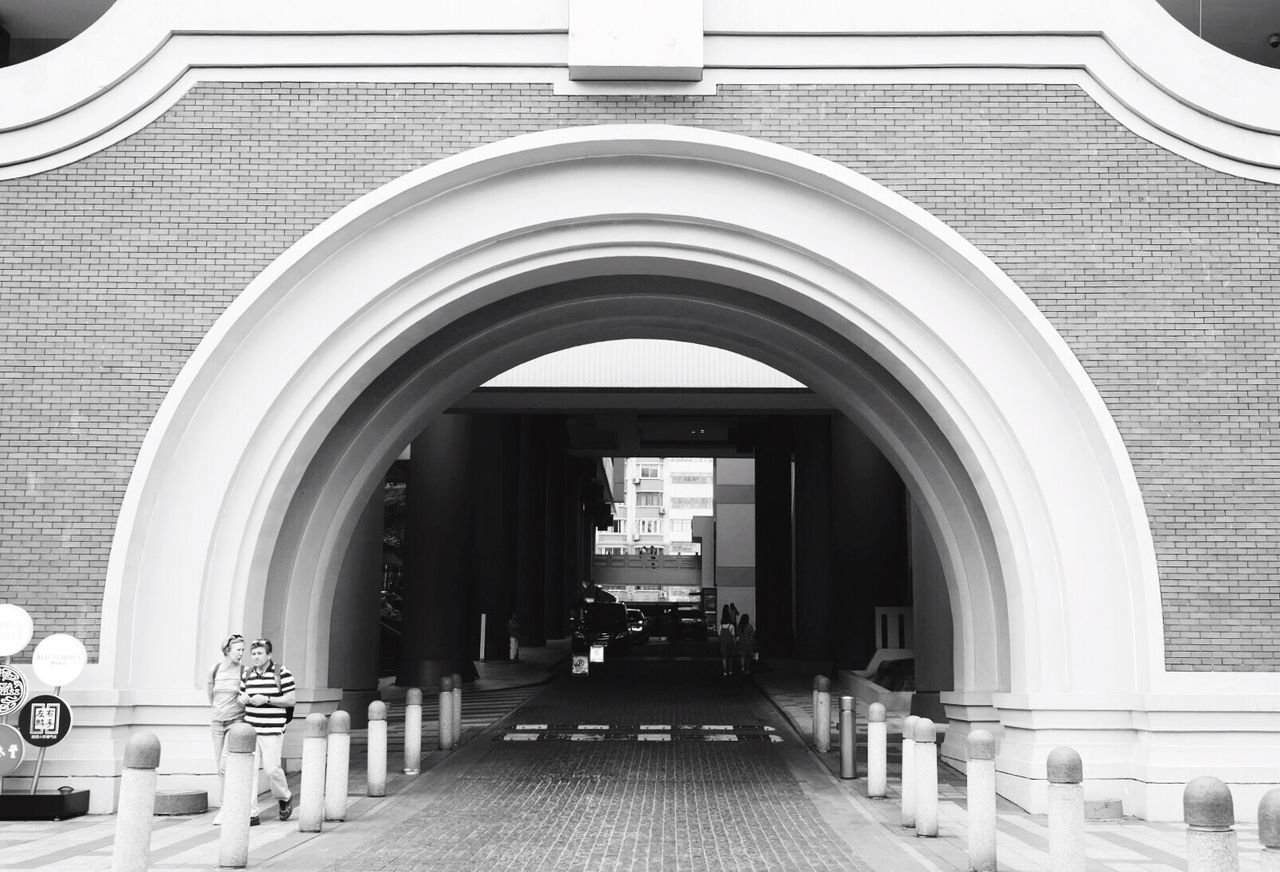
(44, 806)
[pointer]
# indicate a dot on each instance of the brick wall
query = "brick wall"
(1161, 274)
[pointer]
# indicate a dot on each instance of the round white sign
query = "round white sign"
(15, 629)
(58, 659)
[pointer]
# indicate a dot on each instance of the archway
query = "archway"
(419, 291)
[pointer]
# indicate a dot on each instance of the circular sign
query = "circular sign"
(11, 749)
(15, 629)
(58, 659)
(45, 720)
(13, 689)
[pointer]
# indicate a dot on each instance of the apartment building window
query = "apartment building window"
(650, 525)
(649, 472)
(690, 478)
(649, 498)
(690, 502)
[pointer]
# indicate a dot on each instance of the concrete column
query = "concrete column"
(314, 751)
(238, 801)
(1211, 817)
(436, 631)
(353, 641)
(491, 552)
(980, 791)
(132, 849)
(926, 763)
(376, 770)
(1269, 830)
(413, 731)
(337, 770)
(556, 606)
(531, 531)
(877, 752)
(909, 771)
(1066, 811)
(774, 542)
(817, 623)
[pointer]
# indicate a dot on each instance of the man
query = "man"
(266, 690)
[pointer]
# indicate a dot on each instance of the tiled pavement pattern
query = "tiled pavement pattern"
(624, 805)
(600, 805)
(638, 733)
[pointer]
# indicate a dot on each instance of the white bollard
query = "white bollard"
(337, 767)
(376, 770)
(457, 709)
(822, 716)
(1211, 816)
(446, 713)
(413, 731)
(132, 849)
(848, 739)
(813, 708)
(926, 764)
(877, 752)
(238, 799)
(314, 751)
(1269, 830)
(909, 771)
(980, 790)
(1066, 811)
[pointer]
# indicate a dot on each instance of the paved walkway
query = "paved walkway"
(642, 766)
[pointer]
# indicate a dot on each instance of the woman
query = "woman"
(727, 631)
(746, 642)
(224, 696)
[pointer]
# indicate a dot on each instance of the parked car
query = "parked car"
(599, 624)
(689, 623)
(637, 626)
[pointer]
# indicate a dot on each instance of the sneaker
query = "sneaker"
(255, 821)
(286, 808)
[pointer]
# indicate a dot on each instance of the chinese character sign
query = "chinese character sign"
(45, 720)
(11, 749)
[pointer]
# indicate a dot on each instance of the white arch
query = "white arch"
(271, 380)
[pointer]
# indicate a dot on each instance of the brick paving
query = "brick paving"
(619, 805)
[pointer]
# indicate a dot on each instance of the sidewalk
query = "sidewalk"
(870, 828)
(181, 844)
(1126, 845)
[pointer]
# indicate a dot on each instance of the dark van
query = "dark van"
(600, 624)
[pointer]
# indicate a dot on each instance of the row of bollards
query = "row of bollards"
(326, 758)
(1207, 804)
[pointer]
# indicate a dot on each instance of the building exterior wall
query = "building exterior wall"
(1159, 273)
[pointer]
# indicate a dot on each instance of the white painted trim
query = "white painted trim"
(1153, 76)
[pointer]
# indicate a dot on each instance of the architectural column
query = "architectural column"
(491, 564)
(870, 564)
(531, 531)
(774, 566)
(353, 631)
(556, 608)
(734, 551)
(817, 623)
(931, 618)
(436, 528)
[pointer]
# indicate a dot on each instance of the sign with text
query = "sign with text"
(13, 690)
(15, 629)
(11, 749)
(45, 720)
(58, 659)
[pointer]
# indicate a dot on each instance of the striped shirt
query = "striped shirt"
(267, 720)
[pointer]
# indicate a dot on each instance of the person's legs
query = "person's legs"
(272, 747)
(514, 653)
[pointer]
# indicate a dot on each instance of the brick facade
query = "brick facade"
(1162, 275)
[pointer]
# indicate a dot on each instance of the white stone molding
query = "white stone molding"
(1154, 76)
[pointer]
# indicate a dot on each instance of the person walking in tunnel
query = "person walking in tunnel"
(746, 643)
(224, 696)
(513, 634)
(268, 694)
(727, 632)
